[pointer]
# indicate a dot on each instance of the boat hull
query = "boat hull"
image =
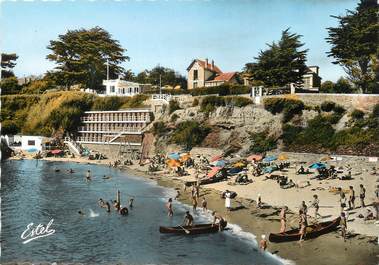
(191, 230)
(317, 230)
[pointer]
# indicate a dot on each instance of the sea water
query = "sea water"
(33, 192)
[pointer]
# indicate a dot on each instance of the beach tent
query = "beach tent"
(213, 172)
(317, 166)
(175, 156)
(173, 163)
(270, 158)
(215, 158)
(254, 157)
(283, 157)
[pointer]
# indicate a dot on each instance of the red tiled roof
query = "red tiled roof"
(224, 76)
(209, 66)
(203, 64)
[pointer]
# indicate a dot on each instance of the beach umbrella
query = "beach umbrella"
(173, 163)
(185, 157)
(283, 157)
(56, 151)
(235, 159)
(325, 158)
(175, 156)
(317, 166)
(219, 163)
(254, 157)
(268, 169)
(239, 164)
(215, 158)
(213, 172)
(269, 159)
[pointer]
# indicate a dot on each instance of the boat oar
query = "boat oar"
(185, 230)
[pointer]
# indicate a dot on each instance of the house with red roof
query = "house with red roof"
(201, 73)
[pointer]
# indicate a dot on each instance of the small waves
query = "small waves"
(93, 214)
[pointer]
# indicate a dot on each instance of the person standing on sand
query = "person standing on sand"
(259, 201)
(194, 203)
(303, 225)
(170, 212)
(304, 207)
(376, 202)
(204, 204)
(362, 195)
(283, 219)
(342, 199)
(263, 243)
(351, 198)
(343, 224)
(316, 205)
(227, 200)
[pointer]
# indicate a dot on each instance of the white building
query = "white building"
(32, 143)
(118, 87)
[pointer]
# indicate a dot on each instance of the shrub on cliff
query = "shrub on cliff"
(159, 128)
(222, 90)
(135, 101)
(261, 142)
(209, 104)
(108, 103)
(375, 111)
(327, 106)
(290, 133)
(237, 101)
(173, 105)
(289, 107)
(189, 134)
(357, 114)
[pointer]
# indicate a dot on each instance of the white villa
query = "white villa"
(118, 87)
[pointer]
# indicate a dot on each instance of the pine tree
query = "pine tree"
(282, 63)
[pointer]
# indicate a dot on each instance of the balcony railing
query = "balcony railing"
(115, 120)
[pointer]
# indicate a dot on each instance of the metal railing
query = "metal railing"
(166, 97)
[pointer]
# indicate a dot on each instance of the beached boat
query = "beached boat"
(312, 231)
(190, 230)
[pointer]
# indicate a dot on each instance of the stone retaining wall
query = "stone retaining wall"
(363, 102)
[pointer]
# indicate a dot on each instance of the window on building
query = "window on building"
(195, 75)
(112, 89)
(194, 85)
(31, 142)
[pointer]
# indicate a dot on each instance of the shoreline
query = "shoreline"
(326, 249)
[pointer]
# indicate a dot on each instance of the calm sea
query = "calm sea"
(32, 192)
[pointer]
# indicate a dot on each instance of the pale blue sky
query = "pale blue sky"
(172, 33)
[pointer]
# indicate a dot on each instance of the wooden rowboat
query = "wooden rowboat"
(312, 231)
(191, 230)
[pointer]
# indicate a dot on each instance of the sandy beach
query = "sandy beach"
(361, 246)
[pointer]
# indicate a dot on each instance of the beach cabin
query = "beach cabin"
(31, 143)
(118, 87)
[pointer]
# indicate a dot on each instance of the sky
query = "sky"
(172, 33)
